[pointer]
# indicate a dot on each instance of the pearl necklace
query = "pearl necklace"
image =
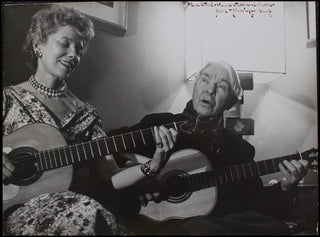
(47, 91)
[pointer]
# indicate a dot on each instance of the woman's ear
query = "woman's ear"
(37, 51)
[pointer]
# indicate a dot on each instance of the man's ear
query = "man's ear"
(231, 102)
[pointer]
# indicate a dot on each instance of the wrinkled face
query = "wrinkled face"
(211, 92)
(61, 53)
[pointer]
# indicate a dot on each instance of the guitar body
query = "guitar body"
(40, 137)
(182, 203)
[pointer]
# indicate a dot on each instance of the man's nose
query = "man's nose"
(211, 89)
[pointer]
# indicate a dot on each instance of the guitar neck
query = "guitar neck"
(236, 173)
(64, 156)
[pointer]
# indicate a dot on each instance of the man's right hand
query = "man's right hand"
(150, 190)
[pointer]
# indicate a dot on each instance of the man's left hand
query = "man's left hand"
(293, 172)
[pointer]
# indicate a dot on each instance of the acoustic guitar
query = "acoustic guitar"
(190, 184)
(43, 160)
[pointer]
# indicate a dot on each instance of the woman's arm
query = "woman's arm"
(125, 177)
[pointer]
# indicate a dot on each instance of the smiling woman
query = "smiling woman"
(56, 40)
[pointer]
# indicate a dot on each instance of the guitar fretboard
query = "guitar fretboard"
(236, 173)
(64, 156)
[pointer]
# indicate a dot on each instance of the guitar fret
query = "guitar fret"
(105, 141)
(189, 182)
(274, 165)
(124, 144)
(45, 156)
(269, 166)
(40, 161)
(49, 160)
(175, 126)
(54, 158)
(72, 158)
(231, 174)
(84, 151)
(250, 168)
(265, 166)
(200, 180)
(65, 154)
(244, 172)
(99, 150)
(237, 172)
(208, 179)
(144, 142)
(58, 156)
(259, 172)
(220, 178)
(190, 177)
(216, 178)
(114, 142)
(59, 150)
(134, 144)
(211, 179)
(197, 181)
(202, 183)
(225, 174)
(204, 180)
(79, 158)
(153, 135)
(261, 167)
(91, 151)
(194, 182)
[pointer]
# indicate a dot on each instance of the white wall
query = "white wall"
(140, 73)
(285, 110)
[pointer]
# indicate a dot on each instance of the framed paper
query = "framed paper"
(108, 16)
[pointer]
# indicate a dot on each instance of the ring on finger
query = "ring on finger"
(159, 144)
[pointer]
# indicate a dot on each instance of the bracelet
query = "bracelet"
(145, 168)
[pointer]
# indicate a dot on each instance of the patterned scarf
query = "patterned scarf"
(189, 111)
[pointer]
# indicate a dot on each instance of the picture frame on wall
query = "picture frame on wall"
(107, 16)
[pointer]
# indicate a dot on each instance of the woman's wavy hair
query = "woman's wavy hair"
(235, 85)
(46, 22)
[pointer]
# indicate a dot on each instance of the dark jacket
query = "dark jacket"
(224, 148)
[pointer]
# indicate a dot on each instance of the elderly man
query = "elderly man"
(245, 207)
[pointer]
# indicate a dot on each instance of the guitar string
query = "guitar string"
(135, 134)
(237, 166)
(30, 158)
(73, 148)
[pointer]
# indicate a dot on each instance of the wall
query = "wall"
(140, 73)
(285, 110)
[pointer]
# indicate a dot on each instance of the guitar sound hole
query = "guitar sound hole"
(176, 187)
(25, 172)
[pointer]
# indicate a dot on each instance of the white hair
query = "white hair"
(233, 77)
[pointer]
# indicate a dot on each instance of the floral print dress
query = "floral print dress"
(62, 213)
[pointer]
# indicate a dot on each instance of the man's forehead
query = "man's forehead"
(216, 69)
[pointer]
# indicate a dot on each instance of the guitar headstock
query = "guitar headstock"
(312, 156)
